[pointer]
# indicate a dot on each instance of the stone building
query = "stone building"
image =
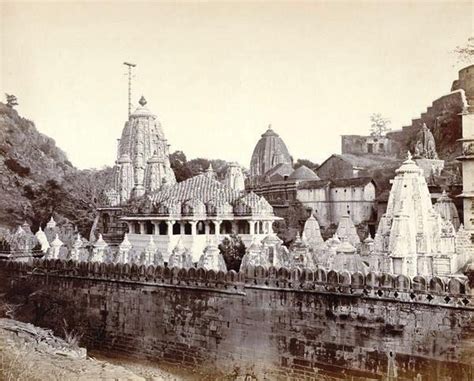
(447, 210)
(269, 152)
(234, 177)
(142, 166)
(467, 156)
(191, 211)
(367, 145)
(348, 166)
(329, 200)
(412, 238)
(332, 200)
(343, 190)
(143, 163)
(426, 156)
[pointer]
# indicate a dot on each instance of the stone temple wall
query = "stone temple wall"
(261, 323)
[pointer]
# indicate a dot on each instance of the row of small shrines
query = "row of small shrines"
(343, 251)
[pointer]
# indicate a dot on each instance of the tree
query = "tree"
(88, 184)
(307, 163)
(292, 224)
(233, 250)
(11, 100)
(184, 169)
(178, 163)
(379, 125)
(466, 53)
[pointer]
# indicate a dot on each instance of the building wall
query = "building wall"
(330, 204)
(465, 81)
(108, 223)
(358, 202)
(317, 199)
(467, 160)
(336, 168)
(360, 145)
(280, 326)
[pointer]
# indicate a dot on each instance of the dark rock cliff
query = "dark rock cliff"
(37, 180)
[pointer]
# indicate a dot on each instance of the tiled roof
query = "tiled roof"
(365, 161)
(283, 169)
(201, 187)
(303, 173)
(203, 194)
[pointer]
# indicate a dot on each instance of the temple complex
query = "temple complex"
(328, 199)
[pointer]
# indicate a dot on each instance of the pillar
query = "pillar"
(156, 227)
(142, 227)
(181, 228)
(252, 227)
(170, 228)
(130, 227)
(217, 224)
(193, 227)
(206, 227)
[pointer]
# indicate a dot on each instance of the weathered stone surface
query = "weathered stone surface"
(447, 210)
(425, 146)
(142, 157)
(234, 177)
(269, 151)
(299, 327)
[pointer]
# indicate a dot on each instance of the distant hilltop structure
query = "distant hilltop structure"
(442, 118)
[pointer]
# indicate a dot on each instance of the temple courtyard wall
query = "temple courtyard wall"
(261, 324)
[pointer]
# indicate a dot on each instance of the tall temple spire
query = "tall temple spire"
(269, 152)
(143, 156)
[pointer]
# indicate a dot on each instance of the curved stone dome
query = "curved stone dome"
(269, 151)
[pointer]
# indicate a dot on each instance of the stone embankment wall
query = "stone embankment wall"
(272, 323)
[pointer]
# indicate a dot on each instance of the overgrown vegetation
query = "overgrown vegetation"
(233, 250)
(292, 224)
(185, 169)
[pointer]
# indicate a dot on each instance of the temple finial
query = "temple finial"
(142, 101)
(409, 155)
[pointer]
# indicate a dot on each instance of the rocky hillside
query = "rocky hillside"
(37, 180)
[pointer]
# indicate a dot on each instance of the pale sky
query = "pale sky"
(217, 74)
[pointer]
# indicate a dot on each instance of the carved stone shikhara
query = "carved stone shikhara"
(142, 163)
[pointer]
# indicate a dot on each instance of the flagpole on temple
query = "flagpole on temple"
(130, 66)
